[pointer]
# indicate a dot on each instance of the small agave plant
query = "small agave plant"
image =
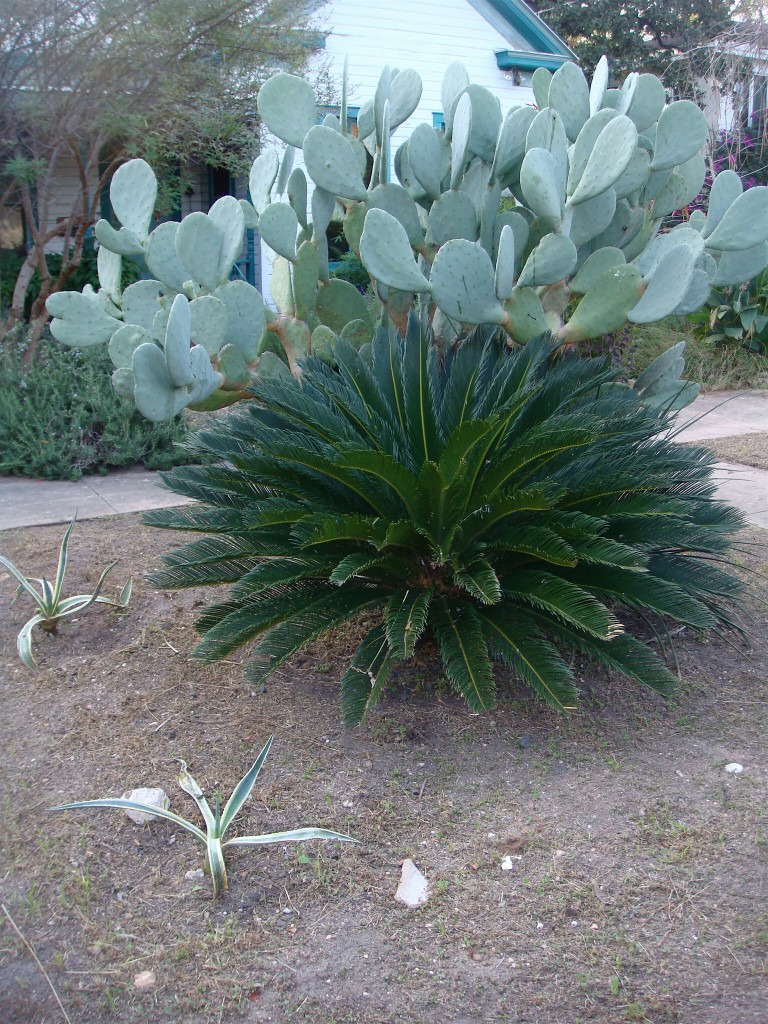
(52, 606)
(217, 821)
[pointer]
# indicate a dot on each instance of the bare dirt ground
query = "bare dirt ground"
(639, 880)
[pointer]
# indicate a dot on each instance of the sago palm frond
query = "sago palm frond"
(511, 505)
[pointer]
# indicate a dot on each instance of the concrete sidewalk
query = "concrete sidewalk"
(725, 414)
(26, 502)
(37, 502)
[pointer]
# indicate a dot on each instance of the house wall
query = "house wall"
(427, 35)
(726, 99)
(64, 195)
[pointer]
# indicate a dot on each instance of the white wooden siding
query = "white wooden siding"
(427, 35)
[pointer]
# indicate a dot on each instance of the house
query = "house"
(500, 42)
(736, 86)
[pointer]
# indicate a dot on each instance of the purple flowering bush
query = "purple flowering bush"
(745, 152)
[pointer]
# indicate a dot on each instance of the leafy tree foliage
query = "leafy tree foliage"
(635, 36)
(85, 84)
(516, 506)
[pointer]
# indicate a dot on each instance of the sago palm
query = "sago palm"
(511, 504)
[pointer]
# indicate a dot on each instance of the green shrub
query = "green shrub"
(86, 273)
(60, 418)
(351, 268)
(514, 505)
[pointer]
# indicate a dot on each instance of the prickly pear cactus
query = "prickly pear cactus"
(577, 249)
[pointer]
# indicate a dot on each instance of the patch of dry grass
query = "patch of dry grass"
(746, 449)
(715, 367)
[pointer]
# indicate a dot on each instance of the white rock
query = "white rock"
(507, 864)
(734, 768)
(195, 876)
(145, 981)
(153, 797)
(413, 889)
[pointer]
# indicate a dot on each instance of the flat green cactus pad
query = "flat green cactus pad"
(549, 219)
(278, 227)
(605, 305)
(332, 164)
(463, 283)
(133, 194)
(338, 303)
(287, 107)
(387, 253)
(79, 321)
(680, 134)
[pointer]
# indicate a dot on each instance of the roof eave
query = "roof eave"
(529, 24)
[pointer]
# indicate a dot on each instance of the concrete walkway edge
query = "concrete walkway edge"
(26, 502)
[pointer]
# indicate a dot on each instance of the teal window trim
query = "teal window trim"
(510, 60)
(335, 109)
(530, 25)
(313, 40)
(438, 121)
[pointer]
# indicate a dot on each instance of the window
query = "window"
(352, 113)
(759, 97)
(753, 101)
(219, 184)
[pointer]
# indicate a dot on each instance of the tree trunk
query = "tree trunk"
(36, 328)
(26, 273)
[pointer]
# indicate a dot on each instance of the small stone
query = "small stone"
(194, 876)
(507, 864)
(153, 797)
(145, 981)
(734, 768)
(525, 741)
(413, 889)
